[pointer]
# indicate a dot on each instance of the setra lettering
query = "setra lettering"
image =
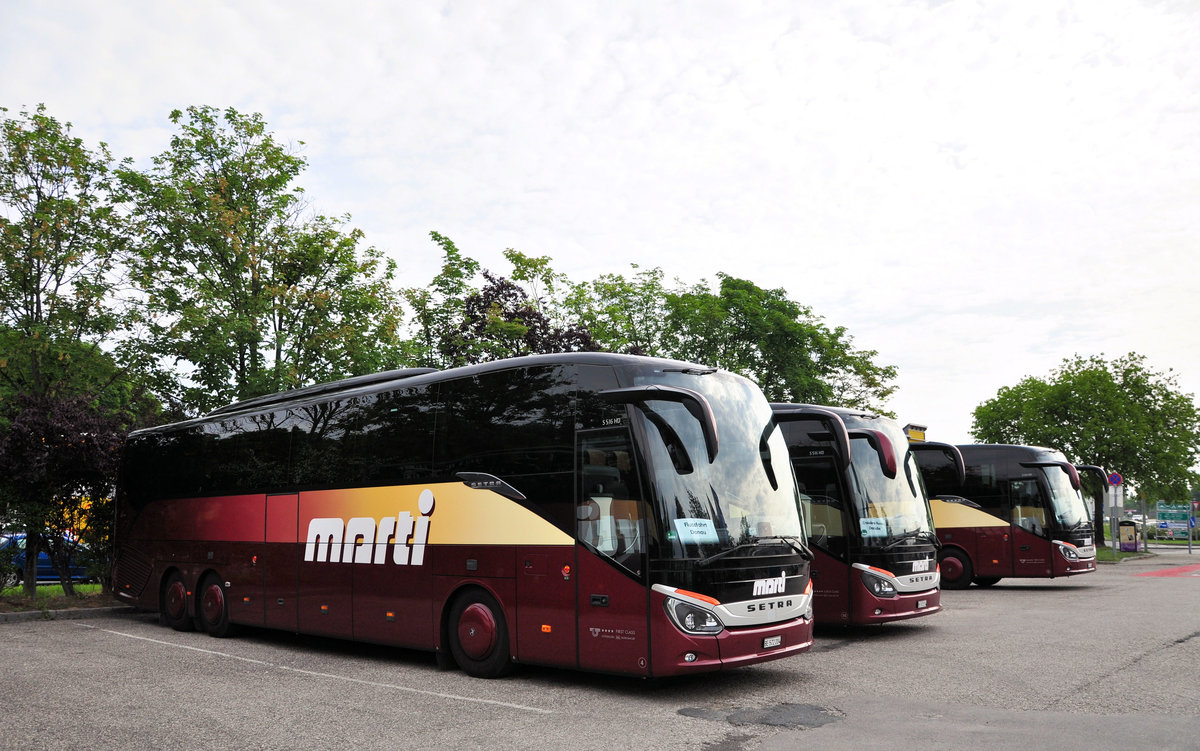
(765, 606)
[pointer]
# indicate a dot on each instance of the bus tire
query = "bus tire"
(173, 604)
(212, 607)
(478, 635)
(957, 571)
(986, 581)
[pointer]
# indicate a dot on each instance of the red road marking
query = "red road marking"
(1190, 570)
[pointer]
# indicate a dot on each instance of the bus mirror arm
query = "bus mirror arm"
(950, 450)
(1064, 466)
(883, 449)
(832, 420)
(694, 401)
(1092, 469)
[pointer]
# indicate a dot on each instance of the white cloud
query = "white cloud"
(975, 190)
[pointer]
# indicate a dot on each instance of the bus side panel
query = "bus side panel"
(995, 552)
(325, 585)
(391, 604)
(280, 562)
(325, 599)
(235, 518)
(831, 593)
(223, 534)
(237, 567)
(613, 624)
(545, 629)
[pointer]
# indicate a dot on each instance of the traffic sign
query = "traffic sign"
(1114, 479)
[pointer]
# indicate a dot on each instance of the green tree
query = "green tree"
(62, 324)
(250, 294)
(439, 308)
(1118, 414)
(775, 341)
(624, 315)
(501, 320)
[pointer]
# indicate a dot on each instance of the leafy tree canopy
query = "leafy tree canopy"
(1118, 414)
(244, 289)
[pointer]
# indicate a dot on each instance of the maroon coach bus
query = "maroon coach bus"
(1006, 511)
(870, 530)
(593, 511)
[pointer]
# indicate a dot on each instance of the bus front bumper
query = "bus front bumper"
(871, 609)
(732, 648)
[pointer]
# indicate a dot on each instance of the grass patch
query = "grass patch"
(51, 597)
(1106, 554)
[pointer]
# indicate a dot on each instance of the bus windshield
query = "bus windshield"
(887, 508)
(747, 494)
(1069, 507)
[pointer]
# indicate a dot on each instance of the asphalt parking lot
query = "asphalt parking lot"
(1103, 661)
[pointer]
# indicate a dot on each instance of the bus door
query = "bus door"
(824, 509)
(280, 561)
(612, 526)
(1030, 537)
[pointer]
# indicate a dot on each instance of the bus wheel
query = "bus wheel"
(986, 581)
(479, 635)
(212, 608)
(173, 605)
(956, 569)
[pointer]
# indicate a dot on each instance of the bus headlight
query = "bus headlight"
(693, 619)
(878, 586)
(1068, 551)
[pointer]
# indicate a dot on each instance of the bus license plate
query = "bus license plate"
(772, 641)
(922, 603)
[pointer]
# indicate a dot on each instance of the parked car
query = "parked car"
(12, 561)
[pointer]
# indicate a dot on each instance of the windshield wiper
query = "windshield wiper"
(789, 540)
(913, 534)
(792, 542)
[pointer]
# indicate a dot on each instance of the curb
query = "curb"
(63, 615)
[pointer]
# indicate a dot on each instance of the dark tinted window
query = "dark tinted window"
(517, 425)
(245, 454)
(365, 441)
(986, 475)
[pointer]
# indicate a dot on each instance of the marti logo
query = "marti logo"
(771, 586)
(365, 540)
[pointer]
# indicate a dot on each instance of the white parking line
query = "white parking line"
(331, 676)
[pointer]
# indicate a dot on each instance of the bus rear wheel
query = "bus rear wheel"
(956, 569)
(479, 635)
(212, 608)
(173, 605)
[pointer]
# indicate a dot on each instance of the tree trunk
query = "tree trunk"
(32, 548)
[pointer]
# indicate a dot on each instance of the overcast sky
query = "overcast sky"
(975, 190)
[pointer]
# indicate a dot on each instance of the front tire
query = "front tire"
(479, 635)
(957, 571)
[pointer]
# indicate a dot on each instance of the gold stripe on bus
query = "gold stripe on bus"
(463, 516)
(460, 515)
(948, 515)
